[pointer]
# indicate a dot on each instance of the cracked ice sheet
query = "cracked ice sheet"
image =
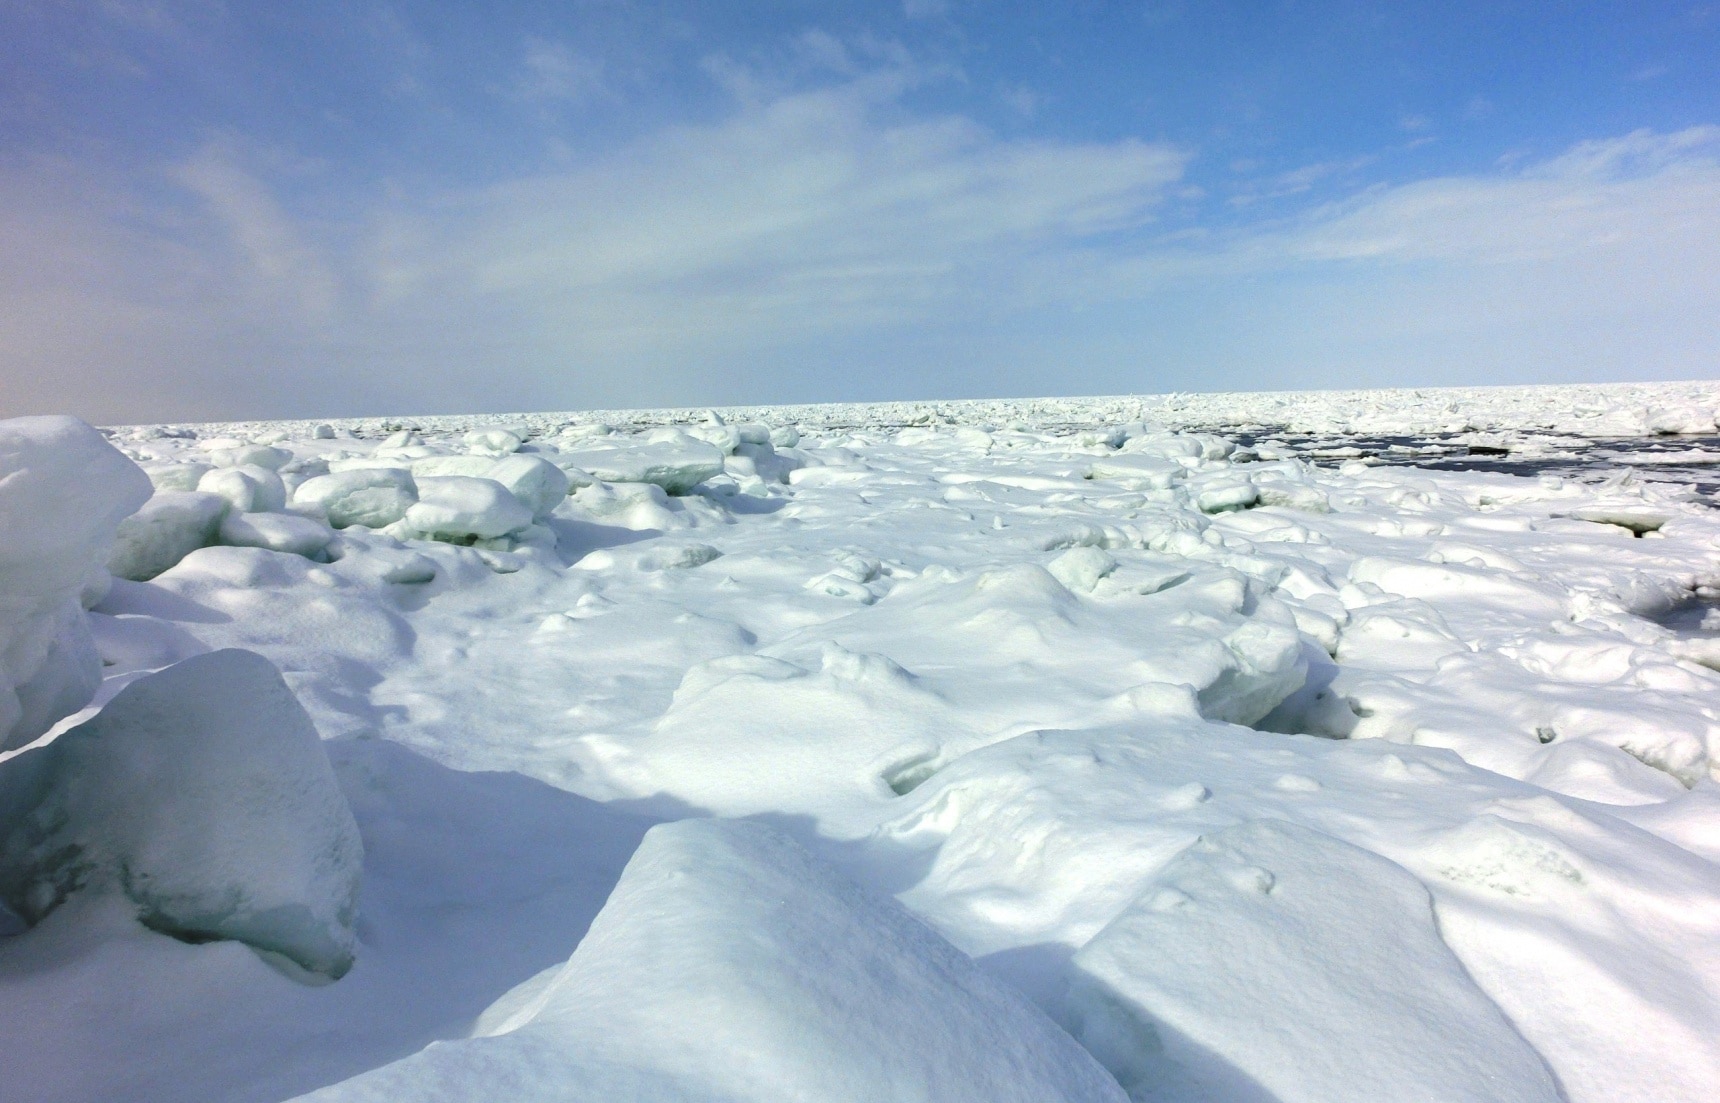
(864, 651)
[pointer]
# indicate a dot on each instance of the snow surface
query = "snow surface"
(729, 964)
(1266, 763)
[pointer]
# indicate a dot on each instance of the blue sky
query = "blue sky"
(218, 209)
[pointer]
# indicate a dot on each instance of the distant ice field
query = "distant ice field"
(1258, 748)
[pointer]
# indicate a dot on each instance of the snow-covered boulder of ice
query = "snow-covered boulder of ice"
(1269, 961)
(63, 491)
(677, 467)
(637, 506)
(202, 794)
(1081, 568)
(251, 455)
(729, 964)
(372, 497)
(1681, 420)
(169, 527)
(176, 476)
(459, 508)
(1267, 665)
(492, 442)
(1152, 472)
(473, 467)
(539, 484)
(281, 532)
(1226, 495)
(249, 489)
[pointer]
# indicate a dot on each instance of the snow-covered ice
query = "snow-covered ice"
(203, 795)
(63, 491)
(729, 964)
(1263, 747)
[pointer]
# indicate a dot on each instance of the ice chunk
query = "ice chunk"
(203, 794)
(170, 526)
(1081, 568)
(176, 476)
(250, 489)
(537, 483)
(460, 508)
(1228, 495)
(373, 497)
(63, 490)
(1637, 517)
(1152, 472)
(475, 467)
(676, 467)
(1271, 961)
(492, 442)
(250, 455)
(729, 964)
(1691, 420)
(281, 532)
(1269, 666)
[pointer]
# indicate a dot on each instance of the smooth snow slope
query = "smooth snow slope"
(1264, 781)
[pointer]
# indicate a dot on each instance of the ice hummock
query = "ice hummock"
(1272, 961)
(1004, 661)
(63, 491)
(202, 794)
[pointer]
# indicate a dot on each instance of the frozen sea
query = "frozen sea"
(1268, 748)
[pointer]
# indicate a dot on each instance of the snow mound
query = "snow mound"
(281, 532)
(729, 964)
(1269, 961)
(63, 491)
(458, 508)
(203, 794)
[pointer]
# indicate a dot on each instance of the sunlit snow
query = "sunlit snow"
(1277, 748)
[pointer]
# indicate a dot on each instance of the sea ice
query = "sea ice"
(248, 488)
(676, 466)
(168, 527)
(374, 497)
(63, 491)
(203, 795)
(281, 532)
(729, 964)
(1271, 962)
(1007, 662)
(462, 508)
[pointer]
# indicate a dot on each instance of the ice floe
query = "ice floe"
(1263, 747)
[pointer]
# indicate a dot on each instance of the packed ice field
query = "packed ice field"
(1140, 748)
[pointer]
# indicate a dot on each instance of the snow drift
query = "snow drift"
(730, 965)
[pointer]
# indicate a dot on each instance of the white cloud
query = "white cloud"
(811, 217)
(1646, 191)
(272, 260)
(814, 212)
(829, 242)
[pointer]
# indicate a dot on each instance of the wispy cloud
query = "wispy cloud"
(552, 72)
(812, 215)
(825, 224)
